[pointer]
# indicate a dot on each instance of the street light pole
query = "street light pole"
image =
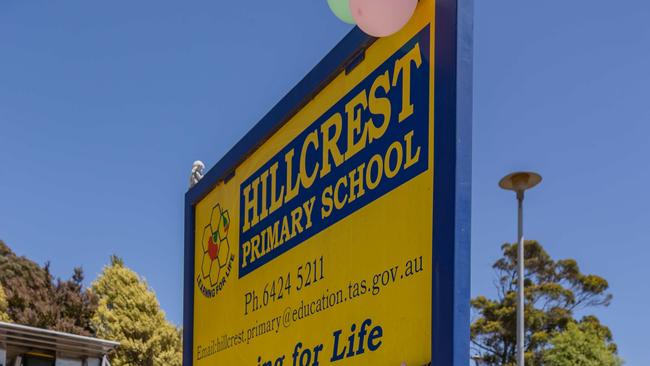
(520, 182)
(520, 279)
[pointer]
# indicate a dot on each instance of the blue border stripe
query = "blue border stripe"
(464, 102)
(452, 183)
(188, 284)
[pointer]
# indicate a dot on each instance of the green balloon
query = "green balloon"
(341, 8)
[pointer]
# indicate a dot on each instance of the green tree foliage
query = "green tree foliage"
(4, 317)
(75, 305)
(554, 291)
(34, 299)
(581, 345)
(129, 313)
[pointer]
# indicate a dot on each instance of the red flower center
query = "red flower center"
(213, 249)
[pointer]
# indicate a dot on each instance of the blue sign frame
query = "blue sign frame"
(452, 174)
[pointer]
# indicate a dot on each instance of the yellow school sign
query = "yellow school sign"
(337, 230)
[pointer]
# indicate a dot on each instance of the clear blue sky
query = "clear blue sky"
(104, 106)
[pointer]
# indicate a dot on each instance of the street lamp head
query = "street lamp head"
(520, 181)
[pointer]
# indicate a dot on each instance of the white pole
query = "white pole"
(520, 182)
(520, 281)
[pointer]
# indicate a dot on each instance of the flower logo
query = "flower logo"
(216, 250)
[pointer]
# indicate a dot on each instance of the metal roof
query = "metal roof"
(43, 339)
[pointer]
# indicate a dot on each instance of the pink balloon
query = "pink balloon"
(381, 18)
